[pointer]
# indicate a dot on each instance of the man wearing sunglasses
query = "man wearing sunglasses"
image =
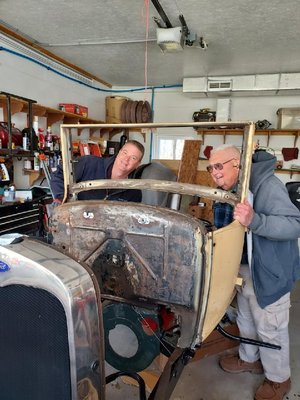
(269, 267)
(223, 166)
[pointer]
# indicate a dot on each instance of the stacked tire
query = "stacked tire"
(123, 110)
(136, 112)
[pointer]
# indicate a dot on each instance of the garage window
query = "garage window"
(169, 147)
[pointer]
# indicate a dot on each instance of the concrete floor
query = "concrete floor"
(204, 380)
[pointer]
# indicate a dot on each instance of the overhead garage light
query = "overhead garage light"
(27, 51)
(170, 39)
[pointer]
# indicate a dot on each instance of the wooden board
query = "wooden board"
(204, 212)
(174, 164)
(215, 343)
(189, 161)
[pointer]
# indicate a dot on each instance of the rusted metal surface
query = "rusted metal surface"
(137, 251)
(162, 186)
(139, 254)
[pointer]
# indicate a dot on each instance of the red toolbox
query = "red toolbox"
(74, 109)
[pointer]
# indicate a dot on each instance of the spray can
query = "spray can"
(49, 139)
(25, 142)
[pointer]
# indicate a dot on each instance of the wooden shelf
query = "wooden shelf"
(258, 132)
(290, 171)
(18, 152)
(52, 114)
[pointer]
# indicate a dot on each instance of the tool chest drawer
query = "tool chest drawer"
(21, 218)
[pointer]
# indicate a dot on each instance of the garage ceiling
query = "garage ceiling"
(106, 37)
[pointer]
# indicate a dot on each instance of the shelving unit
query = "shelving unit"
(258, 132)
(290, 171)
(52, 115)
(12, 104)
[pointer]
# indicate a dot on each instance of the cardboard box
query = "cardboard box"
(288, 118)
(113, 106)
(74, 109)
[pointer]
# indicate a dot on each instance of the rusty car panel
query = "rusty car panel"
(143, 254)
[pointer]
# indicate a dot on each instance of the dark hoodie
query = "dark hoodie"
(90, 168)
(275, 232)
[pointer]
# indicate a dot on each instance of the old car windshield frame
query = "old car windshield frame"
(72, 188)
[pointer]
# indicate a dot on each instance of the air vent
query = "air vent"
(239, 85)
(219, 85)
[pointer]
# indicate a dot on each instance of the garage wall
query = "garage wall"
(171, 105)
(24, 78)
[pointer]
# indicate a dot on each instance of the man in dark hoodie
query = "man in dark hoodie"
(88, 168)
(269, 270)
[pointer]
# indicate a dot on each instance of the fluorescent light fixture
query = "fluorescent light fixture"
(170, 39)
(28, 51)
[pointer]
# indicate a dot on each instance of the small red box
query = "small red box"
(74, 109)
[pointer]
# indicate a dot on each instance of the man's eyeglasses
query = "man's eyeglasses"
(218, 166)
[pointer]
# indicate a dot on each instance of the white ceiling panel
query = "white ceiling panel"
(243, 37)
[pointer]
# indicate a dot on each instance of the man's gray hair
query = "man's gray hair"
(229, 147)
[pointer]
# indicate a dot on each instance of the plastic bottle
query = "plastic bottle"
(35, 133)
(25, 139)
(41, 136)
(35, 124)
(5, 194)
(56, 144)
(36, 162)
(49, 139)
(12, 193)
(27, 164)
(55, 161)
(51, 163)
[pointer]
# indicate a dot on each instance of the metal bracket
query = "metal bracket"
(171, 374)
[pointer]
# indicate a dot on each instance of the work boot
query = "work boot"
(235, 365)
(270, 390)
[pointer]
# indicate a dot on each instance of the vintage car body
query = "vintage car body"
(51, 326)
(149, 260)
